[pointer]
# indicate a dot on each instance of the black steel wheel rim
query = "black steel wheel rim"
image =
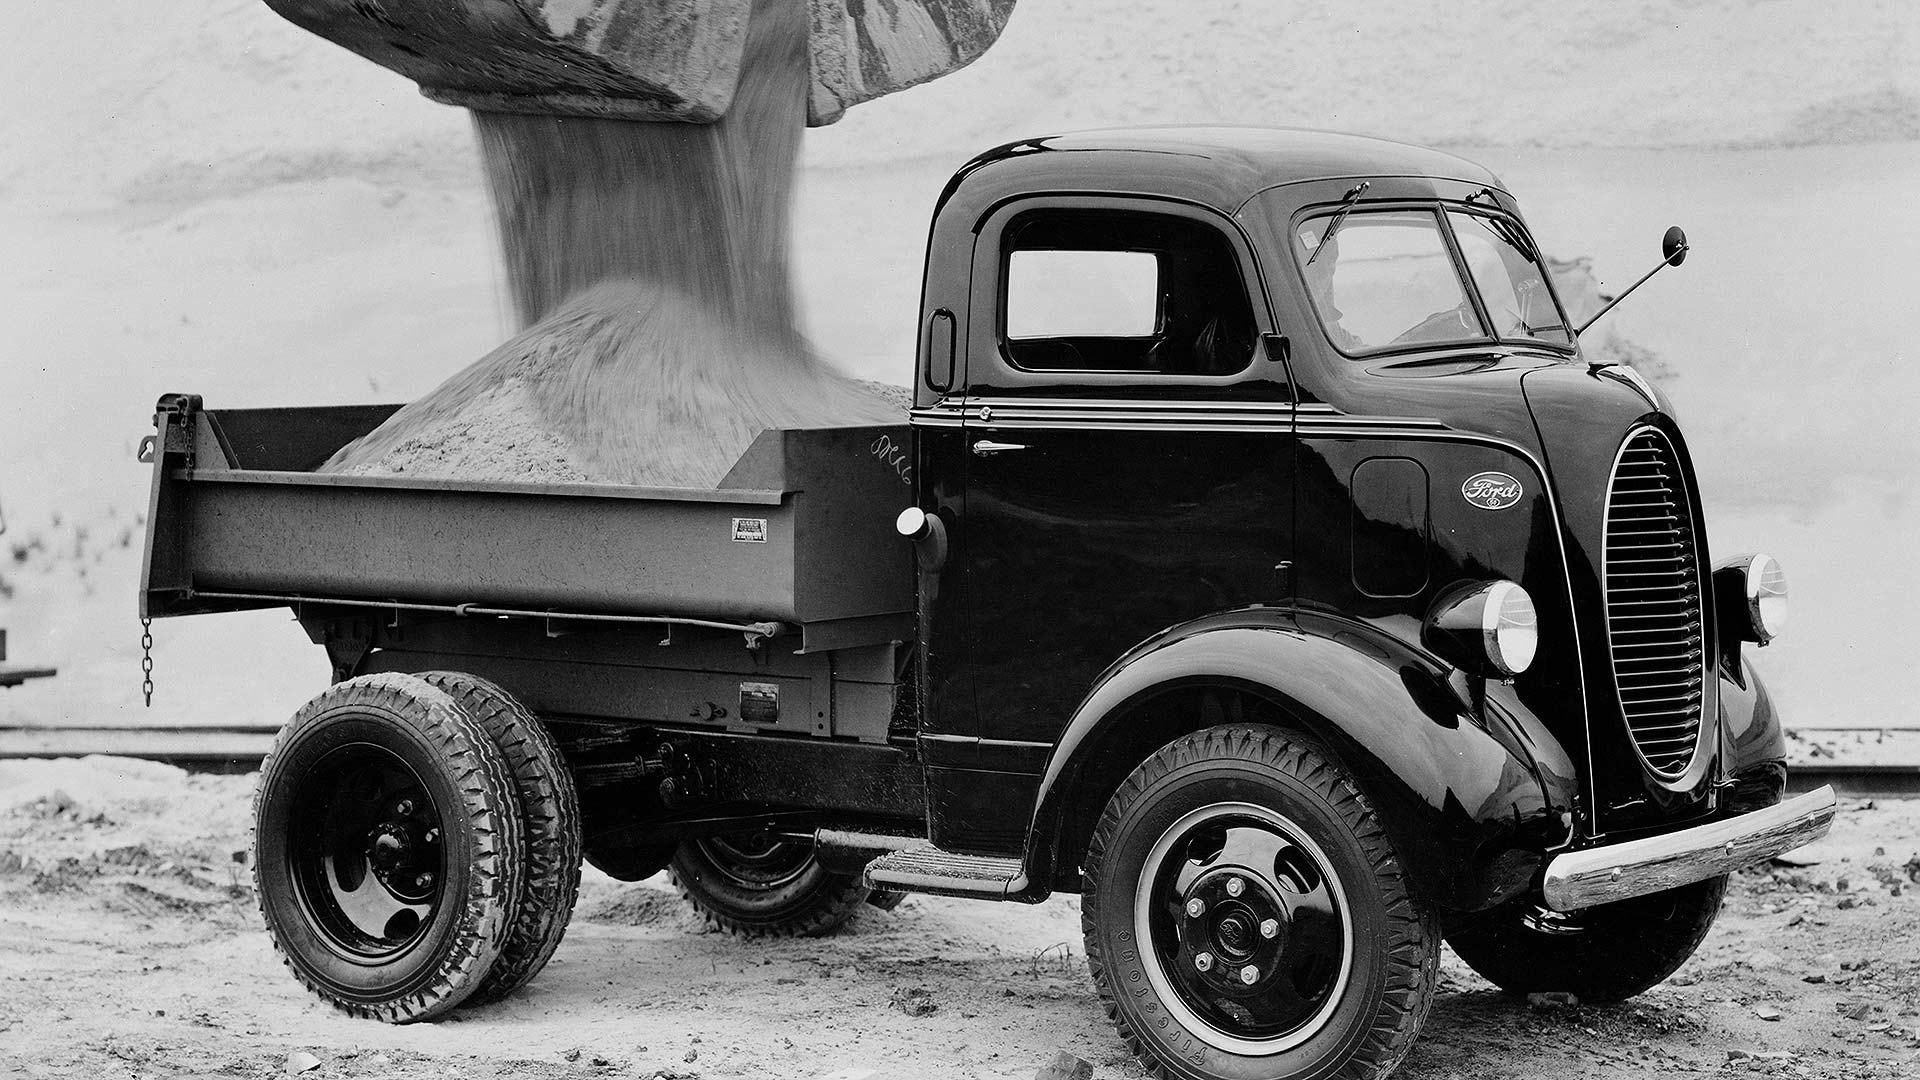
(367, 853)
(757, 860)
(1247, 936)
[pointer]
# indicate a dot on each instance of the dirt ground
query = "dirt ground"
(130, 947)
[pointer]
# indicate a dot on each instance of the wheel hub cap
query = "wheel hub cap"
(1229, 924)
(388, 847)
(1250, 940)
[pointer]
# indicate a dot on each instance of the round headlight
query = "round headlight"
(1488, 629)
(1766, 597)
(1511, 628)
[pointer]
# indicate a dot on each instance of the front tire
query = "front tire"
(1246, 916)
(1605, 953)
(761, 885)
(387, 848)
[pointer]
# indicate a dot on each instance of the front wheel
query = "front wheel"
(1605, 953)
(1246, 916)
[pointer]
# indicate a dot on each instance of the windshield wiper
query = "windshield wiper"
(1346, 206)
(1516, 239)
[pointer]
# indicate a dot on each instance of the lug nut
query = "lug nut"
(404, 807)
(1249, 974)
(1196, 907)
(1204, 961)
(424, 881)
(1235, 886)
(432, 837)
(1269, 928)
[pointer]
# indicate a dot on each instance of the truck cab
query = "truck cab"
(1322, 381)
(1261, 560)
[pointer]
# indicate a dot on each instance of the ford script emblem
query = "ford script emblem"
(1492, 490)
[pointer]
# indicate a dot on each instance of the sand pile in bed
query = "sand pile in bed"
(648, 264)
(628, 382)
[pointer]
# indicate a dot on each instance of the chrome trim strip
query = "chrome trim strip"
(1104, 404)
(1602, 875)
(974, 740)
(1143, 426)
(935, 418)
(1096, 414)
(1370, 423)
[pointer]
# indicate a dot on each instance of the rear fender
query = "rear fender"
(1472, 792)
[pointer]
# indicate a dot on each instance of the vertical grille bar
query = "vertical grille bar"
(1654, 608)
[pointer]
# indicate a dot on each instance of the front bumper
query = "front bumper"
(1601, 875)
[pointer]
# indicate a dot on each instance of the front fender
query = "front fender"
(1472, 789)
(1753, 739)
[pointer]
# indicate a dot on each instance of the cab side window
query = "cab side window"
(1128, 292)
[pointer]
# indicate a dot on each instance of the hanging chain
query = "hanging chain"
(146, 659)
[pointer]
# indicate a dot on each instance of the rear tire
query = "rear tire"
(1605, 953)
(757, 885)
(550, 813)
(387, 848)
(1246, 916)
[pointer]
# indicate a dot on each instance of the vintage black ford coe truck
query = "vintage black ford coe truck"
(1262, 561)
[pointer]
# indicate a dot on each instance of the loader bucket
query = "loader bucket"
(652, 60)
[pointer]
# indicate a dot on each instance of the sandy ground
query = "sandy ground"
(130, 947)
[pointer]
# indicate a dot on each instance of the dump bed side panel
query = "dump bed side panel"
(286, 533)
(234, 512)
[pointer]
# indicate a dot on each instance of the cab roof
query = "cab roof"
(1220, 167)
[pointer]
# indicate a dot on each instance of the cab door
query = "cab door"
(1128, 441)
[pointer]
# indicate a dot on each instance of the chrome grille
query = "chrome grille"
(1654, 611)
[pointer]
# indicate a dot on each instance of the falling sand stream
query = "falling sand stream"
(647, 264)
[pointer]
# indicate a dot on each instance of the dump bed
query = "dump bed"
(799, 533)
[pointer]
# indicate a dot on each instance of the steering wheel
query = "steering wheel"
(1439, 325)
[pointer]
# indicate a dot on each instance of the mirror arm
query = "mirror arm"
(1674, 258)
(1611, 303)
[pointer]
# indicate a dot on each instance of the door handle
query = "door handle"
(988, 446)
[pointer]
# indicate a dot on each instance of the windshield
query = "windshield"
(1387, 280)
(1507, 272)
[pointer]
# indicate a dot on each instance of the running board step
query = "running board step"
(945, 873)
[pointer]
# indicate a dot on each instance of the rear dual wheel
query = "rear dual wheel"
(416, 845)
(550, 819)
